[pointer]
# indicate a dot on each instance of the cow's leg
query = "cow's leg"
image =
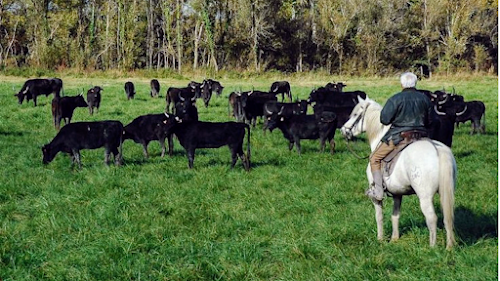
(58, 122)
(297, 144)
(290, 145)
(170, 145)
(107, 153)
(76, 157)
(190, 155)
(145, 149)
(245, 160)
(332, 146)
(163, 148)
(234, 157)
(117, 156)
(321, 145)
(477, 126)
(34, 99)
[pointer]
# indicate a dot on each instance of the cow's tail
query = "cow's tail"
(447, 181)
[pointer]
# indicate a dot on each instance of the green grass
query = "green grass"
(291, 218)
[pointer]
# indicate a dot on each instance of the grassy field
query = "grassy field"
(290, 218)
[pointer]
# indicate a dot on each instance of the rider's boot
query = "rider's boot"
(377, 190)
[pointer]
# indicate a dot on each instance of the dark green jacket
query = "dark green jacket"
(407, 110)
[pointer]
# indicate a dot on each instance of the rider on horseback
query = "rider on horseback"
(406, 111)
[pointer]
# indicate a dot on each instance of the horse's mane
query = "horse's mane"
(372, 118)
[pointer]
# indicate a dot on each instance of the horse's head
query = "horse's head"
(356, 123)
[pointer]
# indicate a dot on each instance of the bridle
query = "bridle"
(360, 118)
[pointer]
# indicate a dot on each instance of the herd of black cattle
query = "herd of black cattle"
(331, 109)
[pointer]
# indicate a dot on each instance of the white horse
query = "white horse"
(424, 168)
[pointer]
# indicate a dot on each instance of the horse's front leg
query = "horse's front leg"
(379, 218)
(395, 217)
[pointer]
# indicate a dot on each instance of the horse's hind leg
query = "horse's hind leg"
(395, 218)
(430, 218)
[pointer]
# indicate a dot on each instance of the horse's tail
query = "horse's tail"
(447, 180)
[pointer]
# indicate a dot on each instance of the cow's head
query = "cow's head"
(274, 120)
(48, 154)
(80, 101)
(450, 108)
(20, 97)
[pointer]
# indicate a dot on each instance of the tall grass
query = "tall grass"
(291, 218)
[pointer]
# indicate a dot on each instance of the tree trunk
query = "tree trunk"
(179, 37)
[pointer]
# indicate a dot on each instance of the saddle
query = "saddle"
(409, 137)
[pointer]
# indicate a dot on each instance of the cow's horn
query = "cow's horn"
(437, 111)
(281, 110)
(269, 112)
(181, 98)
(166, 114)
(453, 87)
(462, 112)
(446, 96)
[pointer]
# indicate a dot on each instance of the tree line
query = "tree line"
(338, 36)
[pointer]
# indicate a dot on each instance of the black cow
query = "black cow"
(252, 104)
(94, 99)
(186, 109)
(63, 107)
(296, 127)
(35, 87)
(323, 95)
(86, 135)
(197, 134)
(155, 88)
(206, 91)
(129, 90)
(342, 112)
(151, 127)
(172, 96)
(443, 127)
(215, 86)
(284, 109)
(283, 88)
(197, 87)
(474, 112)
(232, 100)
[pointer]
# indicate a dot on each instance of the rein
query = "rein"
(354, 153)
(362, 119)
